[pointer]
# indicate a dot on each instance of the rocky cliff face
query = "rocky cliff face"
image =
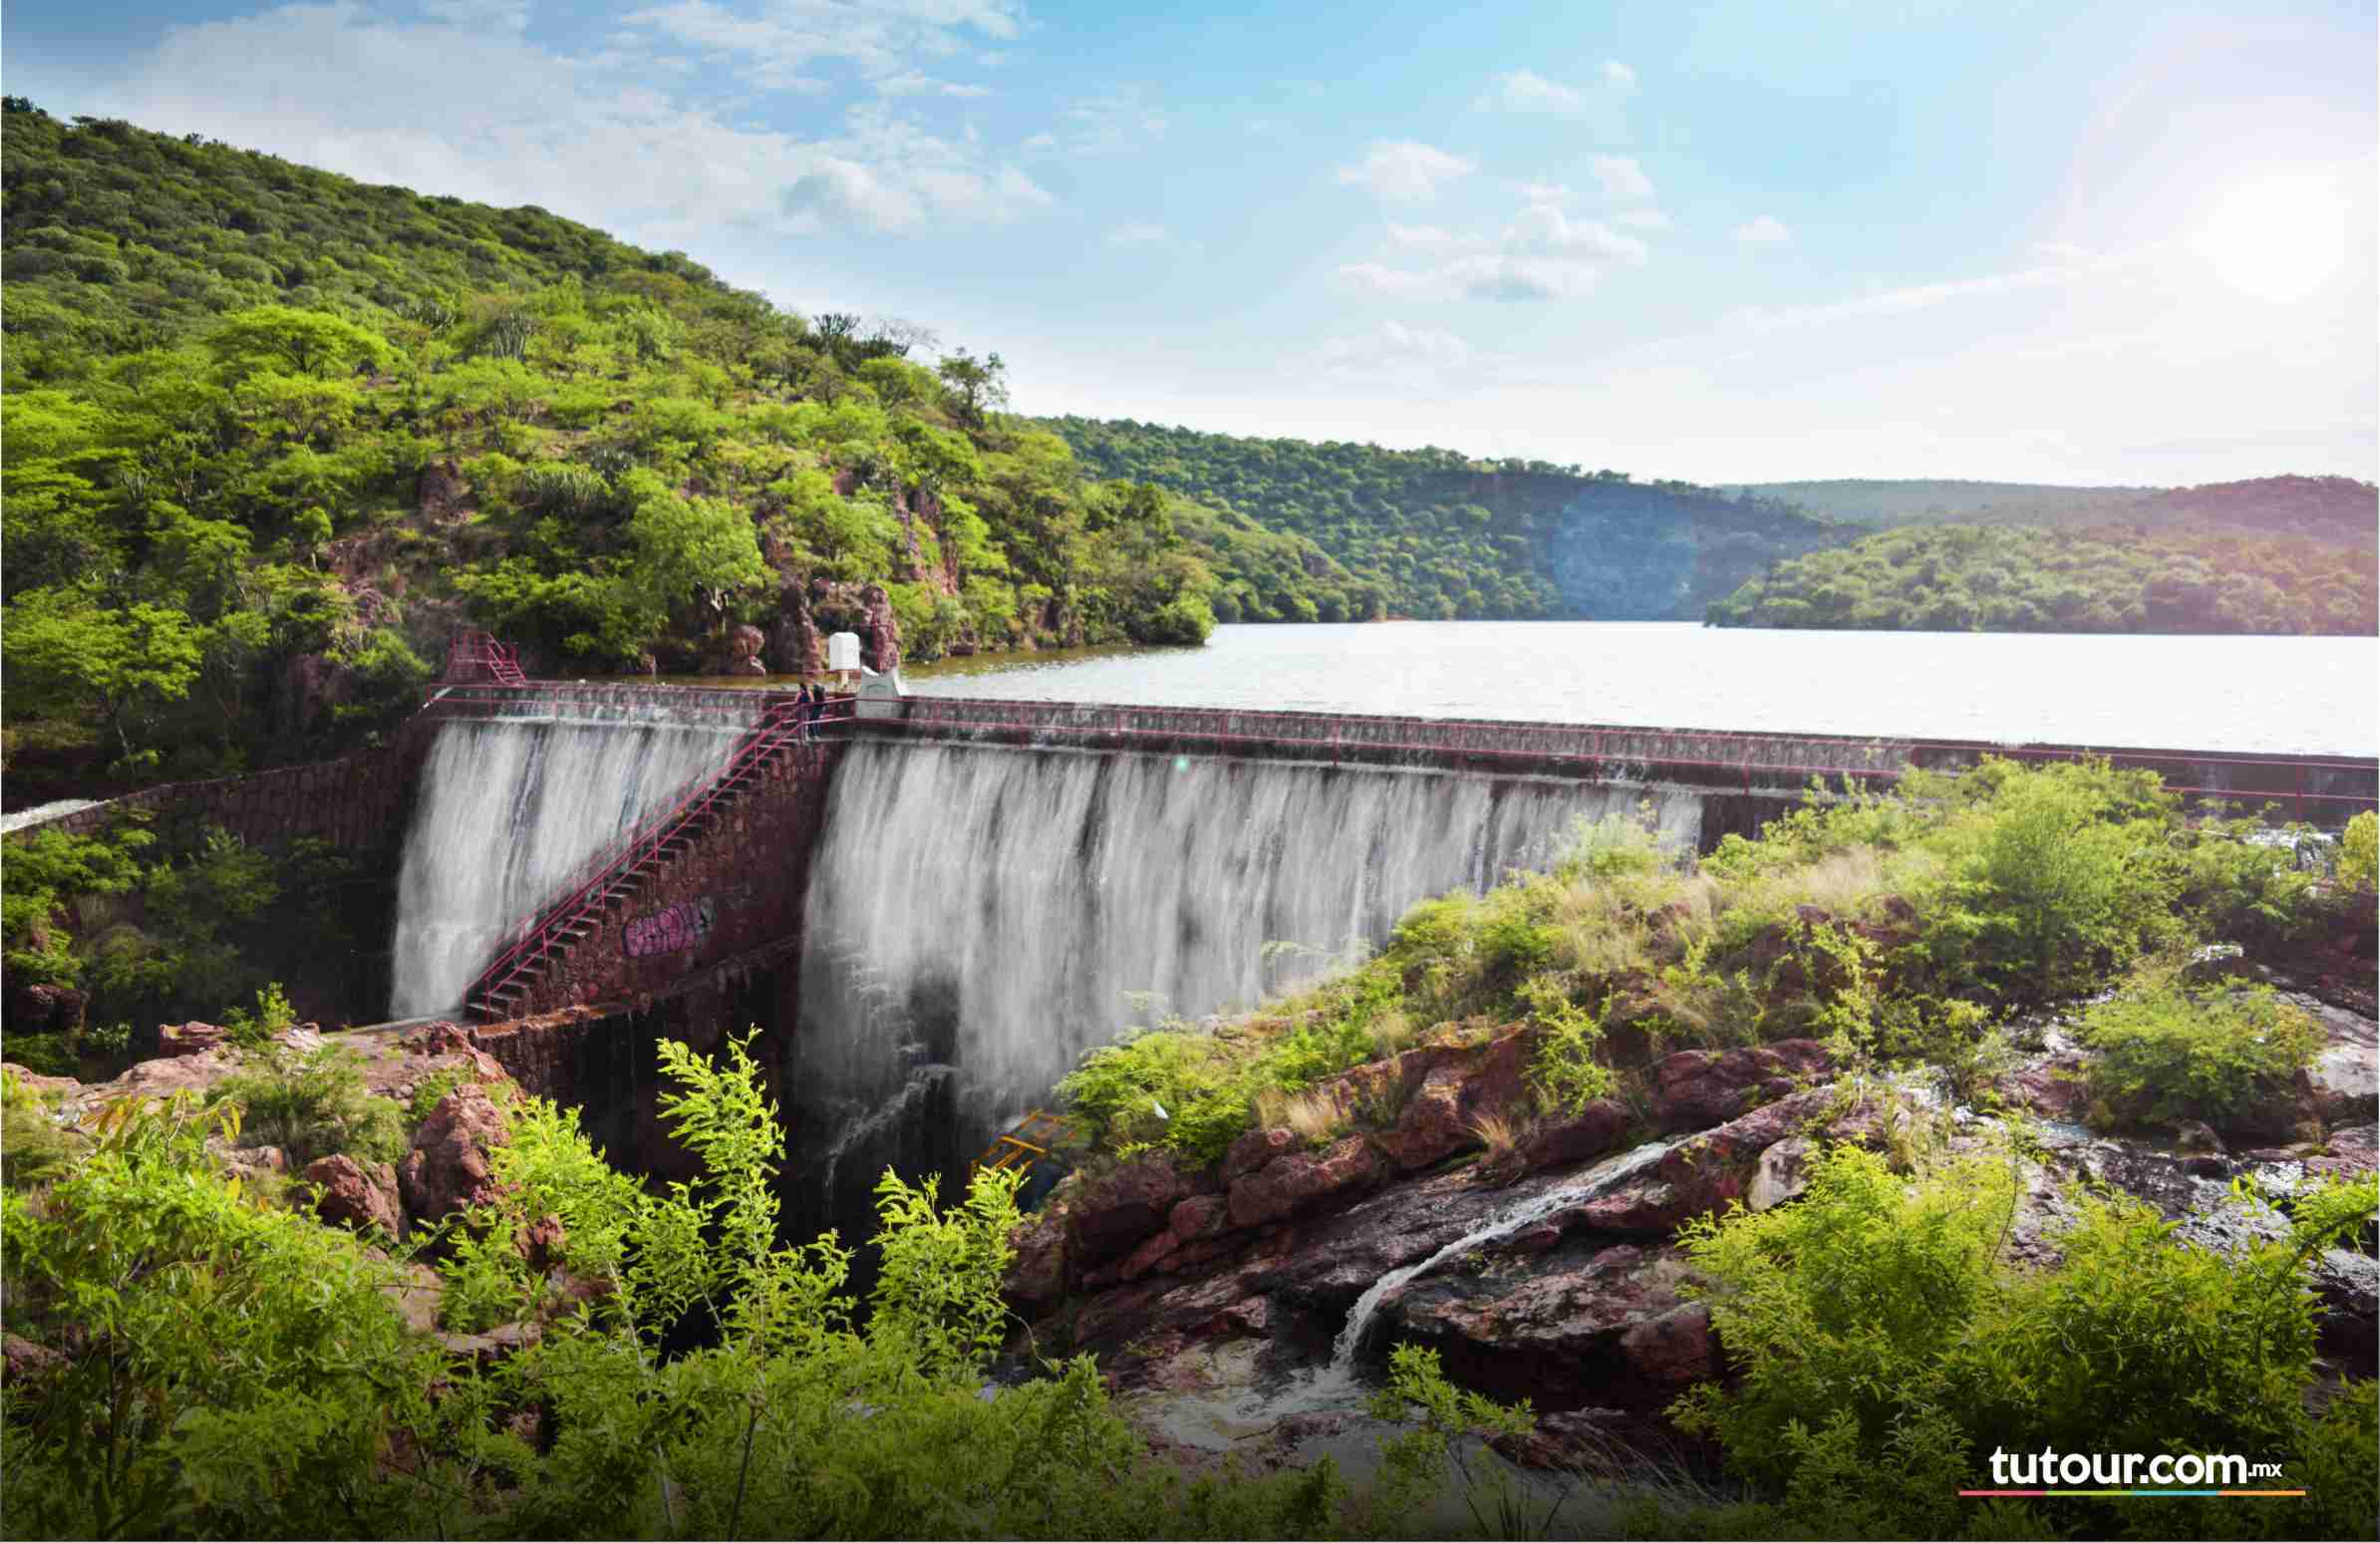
(1551, 1269)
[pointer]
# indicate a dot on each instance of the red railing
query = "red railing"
(549, 931)
(471, 652)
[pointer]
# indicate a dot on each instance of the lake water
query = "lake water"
(2290, 695)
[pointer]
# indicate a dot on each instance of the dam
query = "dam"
(932, 907)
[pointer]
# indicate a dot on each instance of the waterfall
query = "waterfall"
(512, 810)
(1606, 1176)
(996, 910)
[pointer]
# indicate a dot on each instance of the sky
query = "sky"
(2111, 244)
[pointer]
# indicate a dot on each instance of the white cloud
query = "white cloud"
(1395, 351)
(482, 15)
(1113, 122)
(1433, 238)
(1618, 75)
(1623, 180)
(1643, 219)
(1406, 171)
(1559, 195)
(774, 42)
(1483, 276)
(1920, 297)
(1526, 91)
(604, 139)
(1138, 232)
(916, 83)
(1767, 230)
(1545, 229)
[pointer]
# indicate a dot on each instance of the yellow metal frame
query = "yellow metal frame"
(1015, 1151)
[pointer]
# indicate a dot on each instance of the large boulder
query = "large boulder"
(1113, 1212)
(1596, 1129)
(1037, 1276)
(448, 1169)
(359, 1196)
(1306, 1180)
(1695, 1089)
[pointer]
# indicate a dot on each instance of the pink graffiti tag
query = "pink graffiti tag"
(667, 930)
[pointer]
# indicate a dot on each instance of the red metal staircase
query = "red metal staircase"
(470, 654)
(504, 985)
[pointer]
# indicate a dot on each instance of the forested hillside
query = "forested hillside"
(272, 432)
(2328, 508)
(2024, 580)
(1434, 534)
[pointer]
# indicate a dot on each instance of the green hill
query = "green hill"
(1966, 579)
(272, 432)
(2324, 508)
(1434, 534)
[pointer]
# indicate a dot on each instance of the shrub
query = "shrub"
(1885, 1348)
(1565, 1070)
(2168, 1052)
(273, 1018)
(314, 1104)
(2359, 853)
(34, 1148)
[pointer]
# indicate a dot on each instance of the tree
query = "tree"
(978, 385)
(123, 664)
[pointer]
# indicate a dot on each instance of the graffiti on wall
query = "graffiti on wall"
(669, 929)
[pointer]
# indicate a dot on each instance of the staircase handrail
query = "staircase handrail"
(772, 730)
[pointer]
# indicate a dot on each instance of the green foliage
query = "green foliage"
(34, 1147)
(1884, 1347)
(246, 420)
(2188, 578)
(2359, 853)
(257, 1030)
(1349, 532)
(1564, 1069)
(312, 1104)
(2220, 1054)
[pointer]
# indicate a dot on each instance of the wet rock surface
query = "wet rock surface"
(1238, 1281)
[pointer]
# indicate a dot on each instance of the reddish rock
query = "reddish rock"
(192, 1038)
(1432, 1125)
(1037, 1275)
(1256, 1148)
(1592, 1131)
(1305, 1181)
(2052, 1088)
(1674, 1350)
(22, 1361)
(1199, 1216)
(1695, 1089)
(739, 653)
(1144, 1258)
(355, 1196)
(1115, 1211)
(502, 1343)
(448, 1169)
(46, 1008)
(1782, 1174)
(1251, 1316)
(541, 1242)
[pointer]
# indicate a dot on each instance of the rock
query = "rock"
(1431, 1126)
(448, 1169)
(1570, 1441)
(502, 1343)
(740, 654)
(541, 1242)
(1303, 1180)
(1115, 1211)
(1674, 1350)
(1783, 1173)
(438, 491)
(1199, 1216)
(1147, 1257)
(192, 1038)
(2347, 1285)
(1695, 1089)
(2343, 1083)
(1256, 1148)
(1592, 1131)
(2052, 1086)
(2194, 1136)
(416, 1294)
(1568, 1311)
(1037, 1275)
(23, 1361)
(1249, 1316)
(355, 1196)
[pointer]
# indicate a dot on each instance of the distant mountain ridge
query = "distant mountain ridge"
(1433, 533)
(2324, 508)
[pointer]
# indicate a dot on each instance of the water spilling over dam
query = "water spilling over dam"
(511, 807)
(979, 916)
